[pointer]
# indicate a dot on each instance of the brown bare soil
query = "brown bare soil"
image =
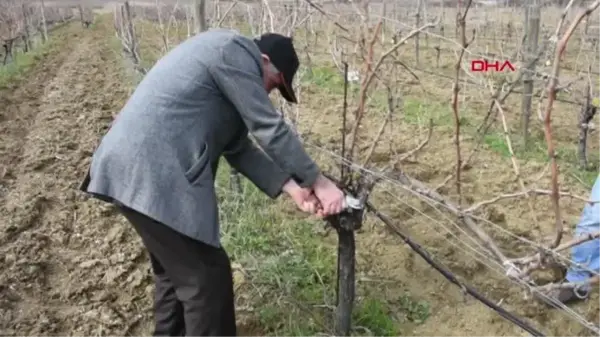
(63, 268)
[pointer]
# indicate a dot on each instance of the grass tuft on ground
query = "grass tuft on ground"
(14, 72)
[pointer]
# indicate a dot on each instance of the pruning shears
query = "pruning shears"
(352, 203)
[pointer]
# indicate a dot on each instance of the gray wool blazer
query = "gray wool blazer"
(197, 103)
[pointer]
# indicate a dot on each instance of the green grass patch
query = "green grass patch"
(415, 111)
(415, 311)
(291, 269)
(22, 62)
(375, 318)
(537, 150)
(587, 177)
(327, 79)
(418, 111)
(288, 264)
(497, 143)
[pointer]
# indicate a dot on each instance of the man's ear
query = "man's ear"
(265, 58)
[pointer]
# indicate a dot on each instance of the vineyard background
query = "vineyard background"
(69, 264)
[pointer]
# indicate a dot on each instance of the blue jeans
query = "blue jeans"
(587, 253)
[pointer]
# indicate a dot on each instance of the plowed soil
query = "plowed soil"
(62, 264)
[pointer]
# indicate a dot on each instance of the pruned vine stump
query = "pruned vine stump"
(345, 225)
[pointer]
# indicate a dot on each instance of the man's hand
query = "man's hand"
(329, 196)
(303, 197)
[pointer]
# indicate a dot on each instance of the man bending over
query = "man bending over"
(158, 162)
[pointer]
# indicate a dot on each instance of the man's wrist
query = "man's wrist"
(289, 186)
(320, 180)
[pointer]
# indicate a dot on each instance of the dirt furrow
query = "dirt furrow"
(20, 104)
(62, 268)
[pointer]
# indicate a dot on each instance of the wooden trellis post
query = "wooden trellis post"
(417, 24)
(532, 26)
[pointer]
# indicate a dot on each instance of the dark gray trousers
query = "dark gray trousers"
(194, 283)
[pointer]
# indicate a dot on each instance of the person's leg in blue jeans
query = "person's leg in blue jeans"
(586, 255)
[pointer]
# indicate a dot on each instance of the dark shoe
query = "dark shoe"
(554, 297)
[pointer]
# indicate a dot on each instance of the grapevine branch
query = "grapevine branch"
(552, 83)
(462, 25)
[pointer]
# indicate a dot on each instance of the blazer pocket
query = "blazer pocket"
(199, 167)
